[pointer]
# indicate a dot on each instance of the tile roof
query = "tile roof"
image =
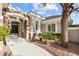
(52, 17)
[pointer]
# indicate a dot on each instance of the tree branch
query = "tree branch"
(77, 9)
(61, 5)
(71, 5)
(74, 9)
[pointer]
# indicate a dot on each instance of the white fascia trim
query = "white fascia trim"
(49, 21)
(33, 14)
(15, 14)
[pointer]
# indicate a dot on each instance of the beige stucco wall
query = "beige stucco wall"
(43, 27)
(73, 34)
(58, 29)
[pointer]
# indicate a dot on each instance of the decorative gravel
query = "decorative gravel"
(56, 50)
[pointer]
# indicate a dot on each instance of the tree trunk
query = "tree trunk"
(4, 42)
(40, 39)
(64, 29)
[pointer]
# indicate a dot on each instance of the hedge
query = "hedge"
(76, 25)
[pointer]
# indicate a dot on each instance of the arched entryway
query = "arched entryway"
(19, 24)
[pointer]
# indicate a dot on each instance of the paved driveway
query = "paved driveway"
(20, 47)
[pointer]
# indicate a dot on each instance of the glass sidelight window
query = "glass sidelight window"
(49, 28)
(53, 28)
(36, 25)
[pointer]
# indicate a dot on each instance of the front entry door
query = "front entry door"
(14, 28)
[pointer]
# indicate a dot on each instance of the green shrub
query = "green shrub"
(4, 32)
(76, 25)
(56, 35)
(49, 35)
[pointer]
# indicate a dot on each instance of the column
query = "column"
(28, 28)
(20, 29)
(5, 20)
(39, 26)
(46, 27)
(56, 29)
(23, 29)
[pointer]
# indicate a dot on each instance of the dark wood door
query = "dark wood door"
(14, 28)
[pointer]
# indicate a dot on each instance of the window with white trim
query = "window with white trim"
(51, 27)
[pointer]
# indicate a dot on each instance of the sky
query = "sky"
(50, 9)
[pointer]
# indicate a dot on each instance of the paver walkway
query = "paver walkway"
(20, 47)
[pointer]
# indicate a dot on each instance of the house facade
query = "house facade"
(26, 24)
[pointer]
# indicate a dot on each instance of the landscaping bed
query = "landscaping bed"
(4, 50)
(56, 50)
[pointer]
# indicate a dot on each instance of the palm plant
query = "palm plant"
(49, 36)
(56, 35)
(40, 36)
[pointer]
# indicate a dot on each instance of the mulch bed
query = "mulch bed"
(5, 51)
(56, 50)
